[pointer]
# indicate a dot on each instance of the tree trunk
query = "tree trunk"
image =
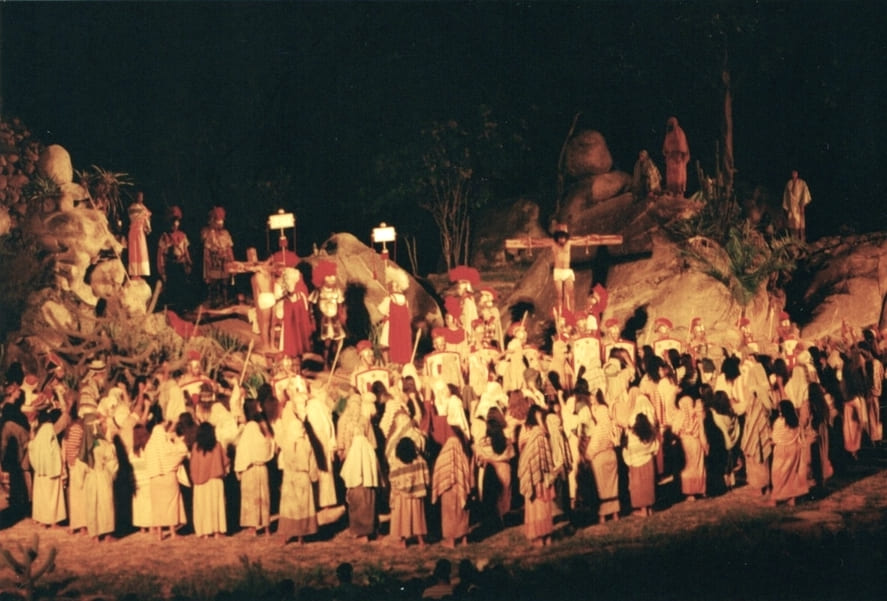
(728, 168)
(560, 165)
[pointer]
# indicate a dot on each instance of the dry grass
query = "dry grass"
(731, 547)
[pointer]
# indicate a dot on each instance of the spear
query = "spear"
(415, 345)
(249, 353)
(196, 321)
(335, 361)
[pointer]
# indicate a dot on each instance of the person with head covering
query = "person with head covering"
(218, 250)
(467, 280)
(142, 516)
(98, 484)
(137, 240)
(788, 474)
(688, 427)
(362, 477)
(45, 455)
(254, 450)
(329, 301)
(452, 481)
(396, 336)
(530, 388)
(191, 382)
(447, 410)
(490, 318)
(855, 411)
(174, 262)
(756, 443)
(602, 435)
(292, 312)
(409, 478)
(677, 154)
(297, 460)
(208, 467)
(536, 474)
(366, 372)
(511, 366)
(164, 454)
(351, 423)
(319, 416)
(92, 387)
(562, 461)
(495, 454)
(646, 181)
(443, 363)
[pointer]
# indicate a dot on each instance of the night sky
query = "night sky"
(199, 102)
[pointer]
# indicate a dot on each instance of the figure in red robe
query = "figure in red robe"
(677, 155)
(294, 315)
(397, 334)
(137, 240)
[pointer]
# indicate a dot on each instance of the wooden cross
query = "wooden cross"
(588, 240)
(562, 259)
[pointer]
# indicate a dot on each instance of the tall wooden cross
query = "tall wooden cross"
(563, 282)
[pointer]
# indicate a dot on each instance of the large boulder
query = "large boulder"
(55, 163)
(597, 188)
(79, 240)
(843, 280)
(357, 263)
(587, 154)
(664, 285)
(660, 284)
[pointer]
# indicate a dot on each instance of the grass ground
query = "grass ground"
(729, 547)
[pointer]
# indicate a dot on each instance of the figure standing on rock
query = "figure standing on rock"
(218, 250)
(137, 240)
(677, 155)
(794, 201)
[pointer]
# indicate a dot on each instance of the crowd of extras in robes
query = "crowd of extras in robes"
(450, 446)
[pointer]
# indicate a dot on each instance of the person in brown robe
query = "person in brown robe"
(535, 471)
(451, 482)
(677, 155)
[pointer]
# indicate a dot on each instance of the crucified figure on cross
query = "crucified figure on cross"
(561, 245)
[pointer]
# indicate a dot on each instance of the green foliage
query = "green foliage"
(138, 348)
(106, 189)
(451, 169)
(751, 262)
(255, 580)
(229, 342)
(25, 569)
(39, 189)
(253, 380)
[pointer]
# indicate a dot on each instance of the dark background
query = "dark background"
(200, 103)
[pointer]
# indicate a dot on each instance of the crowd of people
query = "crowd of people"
(435, 451)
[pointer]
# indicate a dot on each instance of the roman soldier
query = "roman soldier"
(367, 372)
(613, 340)
(664, 340)
(466, 280)
(697, 344)
(492, 320)
(329, 300)
(443, 363)
(191, 381)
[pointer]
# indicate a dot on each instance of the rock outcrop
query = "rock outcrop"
(359, 264)
(842, 280)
